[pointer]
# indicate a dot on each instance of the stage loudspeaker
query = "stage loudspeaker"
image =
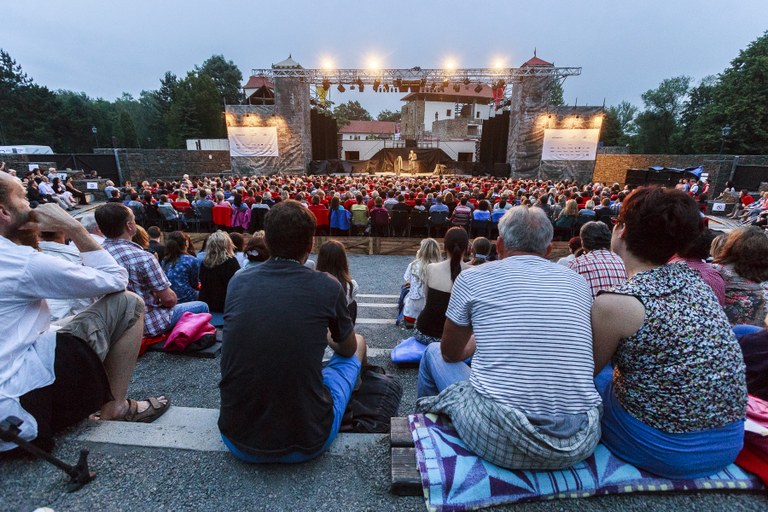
(502, 170)
(411, 143)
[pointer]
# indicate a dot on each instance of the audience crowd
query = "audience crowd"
(631, 340)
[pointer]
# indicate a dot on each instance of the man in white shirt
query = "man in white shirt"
(50, 378)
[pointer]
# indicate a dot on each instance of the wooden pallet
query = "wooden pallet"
(406, 479)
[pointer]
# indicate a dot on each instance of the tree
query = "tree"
(350, 111)
(701, 129)
(555, 98)
(658, 127)
(388, 115)
(618, 125)
(227, 77)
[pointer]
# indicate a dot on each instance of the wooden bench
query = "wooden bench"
(406, 479)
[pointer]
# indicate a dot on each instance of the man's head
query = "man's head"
(15, 212)
(289, 230)
(154, 232)
(89, 223)
(595, 235)
(116, 220)
(526, 230)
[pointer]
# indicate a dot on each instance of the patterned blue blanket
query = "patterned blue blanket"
(455, 479)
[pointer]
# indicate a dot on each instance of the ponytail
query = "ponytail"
(456, 257)
(456, 242)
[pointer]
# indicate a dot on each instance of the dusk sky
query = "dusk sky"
(107, 48)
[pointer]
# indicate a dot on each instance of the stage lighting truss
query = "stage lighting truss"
(417, 76)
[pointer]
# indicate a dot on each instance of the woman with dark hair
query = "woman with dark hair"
(70, 187)
(332, 258)
(742, 261)
(483, 211)
(438, 284)
(241, 215)
(238, 243)
(219, 265)
(256, 250)
(675, 400)
(339, 217)
(182, 270)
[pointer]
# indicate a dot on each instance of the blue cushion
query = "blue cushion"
(408, 351)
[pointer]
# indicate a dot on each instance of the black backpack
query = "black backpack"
(374, 403)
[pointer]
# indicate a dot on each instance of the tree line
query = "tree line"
(72, 122)
(727, 112)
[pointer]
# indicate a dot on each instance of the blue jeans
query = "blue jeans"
(435, 374)
(194, 306)
(744, 329)
(678, 456)
(339, 376)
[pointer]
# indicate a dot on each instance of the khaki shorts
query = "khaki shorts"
(106, 321)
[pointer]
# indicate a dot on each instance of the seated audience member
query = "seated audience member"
(675, 400)
(238, 243)
(278, 403)
(415, 276)
(182, 270)
(438, 206)
(575, 250)
(461, 214)
(110, 186)
(256, 250)
(53, 379)
(379, 218)
(754, 346)
(696, 256)
(156, 242)
(92, 227)
(339, 217)
(438, 284)
(218, 267)
(481, 249)
(742, 261)
(588, 212)
(332, 259)
(141, 238)
(70, 187)
(115, 198)
(241, 215)
(145, 275)
(482, 212)
(529, 401)
(54, 244)
(601, 268)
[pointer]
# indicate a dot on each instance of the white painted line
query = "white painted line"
(379, 352)
(380, 321)
(375, 296)
(375, 305)
(188, 428)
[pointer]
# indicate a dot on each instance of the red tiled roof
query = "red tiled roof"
(255, 82)
(465, 91)
(535, 61)
(383, 127)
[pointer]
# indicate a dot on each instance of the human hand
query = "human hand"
(52, 217)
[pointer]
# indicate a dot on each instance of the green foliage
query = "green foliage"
(555, 98)
(659, 127)
(619, 124)
(350, 111)
(388, 115)
(226, 76)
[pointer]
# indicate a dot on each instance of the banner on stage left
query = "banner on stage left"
(570, 144)
(252, 140)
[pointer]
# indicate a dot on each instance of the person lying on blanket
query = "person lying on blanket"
(529, 400)
(53, 379)
(675, 399)
(278, 403)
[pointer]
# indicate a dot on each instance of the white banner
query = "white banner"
(570, 144)
(252, 140)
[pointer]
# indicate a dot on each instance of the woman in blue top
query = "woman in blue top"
(483, 211)
(339, 217)
(182, 269)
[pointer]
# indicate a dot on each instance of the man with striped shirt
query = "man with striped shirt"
(529, 401)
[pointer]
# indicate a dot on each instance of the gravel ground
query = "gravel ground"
(138, 479)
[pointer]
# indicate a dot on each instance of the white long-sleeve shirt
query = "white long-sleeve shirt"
(28, 345)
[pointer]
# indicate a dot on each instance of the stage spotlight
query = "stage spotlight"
(376, 84)
(466, 81)
(360, 85)
(397, 83)
(341, 88)
(456, 87)
(326, 84)
(445, 83)
(479, 88)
